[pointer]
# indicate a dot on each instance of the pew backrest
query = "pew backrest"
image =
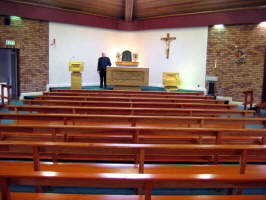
(136, 152)
(148, 181)
(134, 134)
(135, 120)
(131, 111)
(181, 99)
(128, 92)
(129, 104)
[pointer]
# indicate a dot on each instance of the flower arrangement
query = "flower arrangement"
(118, 56)
(135, 57)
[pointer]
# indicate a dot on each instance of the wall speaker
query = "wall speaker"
(7, 21)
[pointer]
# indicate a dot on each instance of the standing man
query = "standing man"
(103, 63)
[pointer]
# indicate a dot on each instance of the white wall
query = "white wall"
(188, 55)
(187, 52)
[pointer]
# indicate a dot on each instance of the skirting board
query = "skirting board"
(48, 86)
(22, 95)
(231, 100)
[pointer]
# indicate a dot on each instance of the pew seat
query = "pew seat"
(146, 181)
(127, 138)
(251, 169)
(50, 196)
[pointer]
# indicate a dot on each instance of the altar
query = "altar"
(127, 78)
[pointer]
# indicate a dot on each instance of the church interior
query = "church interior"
(133, 99)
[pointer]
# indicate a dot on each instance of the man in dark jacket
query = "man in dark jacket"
(103, 63)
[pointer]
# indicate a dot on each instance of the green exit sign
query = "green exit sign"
(10, 42)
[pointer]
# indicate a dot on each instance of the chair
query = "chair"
(259, 107)
(171, 80)
(248, 99)
(2, 94)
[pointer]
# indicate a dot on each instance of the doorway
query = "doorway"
(264, 81)
(9, 70)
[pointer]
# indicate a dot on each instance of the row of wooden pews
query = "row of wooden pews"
(125, 174)
(136, 129)
(126, 97)
(130, 111)
(139, 175)
(129, 92)
(134, 120)
(105, 123)
(146, 181)
(118, 134)
(71, 101)
(90, 99)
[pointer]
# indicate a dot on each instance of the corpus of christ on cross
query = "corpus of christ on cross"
(168, 39)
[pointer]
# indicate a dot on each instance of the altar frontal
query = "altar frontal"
(125, 78)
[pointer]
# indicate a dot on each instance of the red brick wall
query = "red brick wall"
(237, 77)
(31, 38)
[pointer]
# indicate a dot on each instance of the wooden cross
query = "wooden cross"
(168, 39)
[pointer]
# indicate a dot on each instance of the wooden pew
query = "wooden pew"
(53, 196)
(163, 95)
(137, 153)
(122, 167)
(127, 99)
(254, 170)
(159, 96)
(129, 104)
(141, 152)
(131, 120)
(131, 111)
(149, 181)
(119, 134)
(126, 92)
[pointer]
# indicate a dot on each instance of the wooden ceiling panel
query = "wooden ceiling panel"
(143, 9)
(107, 8)
(129, 10)
(161, 8)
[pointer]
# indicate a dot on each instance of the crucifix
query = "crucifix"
(168, 39)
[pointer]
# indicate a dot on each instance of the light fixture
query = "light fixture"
(262, 24)
(218, 26)
(15, 18)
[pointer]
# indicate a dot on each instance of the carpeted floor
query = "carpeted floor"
(143, 88)
(131, 191)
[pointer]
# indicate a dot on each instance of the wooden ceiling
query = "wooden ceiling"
(129, 10)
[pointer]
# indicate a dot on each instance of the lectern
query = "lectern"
(76, 67)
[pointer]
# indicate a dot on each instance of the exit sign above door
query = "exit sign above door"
(10, 42)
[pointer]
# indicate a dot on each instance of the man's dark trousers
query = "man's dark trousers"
(103, 78)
